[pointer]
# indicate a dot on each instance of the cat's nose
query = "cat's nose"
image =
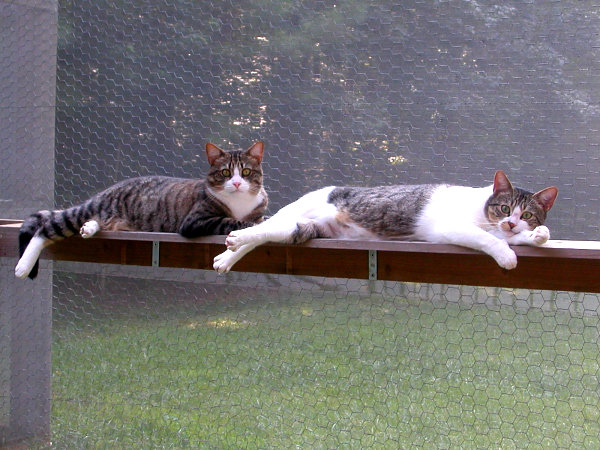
(237, 184)
(511, 225)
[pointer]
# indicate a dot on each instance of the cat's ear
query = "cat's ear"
(501, 183)
(546, 197)
(256, 151)
(213, 153)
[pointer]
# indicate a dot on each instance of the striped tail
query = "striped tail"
(44, 228)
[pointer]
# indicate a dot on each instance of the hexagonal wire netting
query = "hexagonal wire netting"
(358, 93)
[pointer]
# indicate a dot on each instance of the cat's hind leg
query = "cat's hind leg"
(91, 227)
(294, 223)
(291, 232)
(88, 229)
(226, 260)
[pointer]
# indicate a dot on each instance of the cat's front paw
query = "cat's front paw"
(225, 261)
(507, 261)
(504, 256)
(540, 235)
(89, 229)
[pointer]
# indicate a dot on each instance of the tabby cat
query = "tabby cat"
(486, 219)
(231, 197)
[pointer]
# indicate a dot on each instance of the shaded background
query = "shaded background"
(360, 93)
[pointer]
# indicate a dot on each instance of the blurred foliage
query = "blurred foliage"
(338, 90)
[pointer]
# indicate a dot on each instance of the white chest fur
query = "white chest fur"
(241, 204)
(453, 208)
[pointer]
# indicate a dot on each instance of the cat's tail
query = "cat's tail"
(42, 229)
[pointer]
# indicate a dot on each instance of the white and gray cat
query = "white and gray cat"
(486, 219)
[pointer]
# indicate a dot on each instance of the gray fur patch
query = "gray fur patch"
(388, 211)
(306, 231)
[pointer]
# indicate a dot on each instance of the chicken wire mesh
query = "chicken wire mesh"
(358, 93)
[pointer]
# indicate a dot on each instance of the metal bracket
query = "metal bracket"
(372, 264)
(155, 253)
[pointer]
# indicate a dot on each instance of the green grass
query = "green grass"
(323, 373)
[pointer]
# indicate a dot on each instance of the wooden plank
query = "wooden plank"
(103, 251)
(555, 248)
(291, 260)
(83, 250)
(188, 256)
(560, 265)
(340, 263)
(551, 273)
(9, 243)
(11, 222)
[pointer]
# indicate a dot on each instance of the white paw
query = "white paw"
(507, 259)
(22, 269)
(236, 239)
(225, 261)
(89, 229)
(504, 255)
(540, 235)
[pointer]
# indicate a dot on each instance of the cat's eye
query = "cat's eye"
(226, 172)
(526, 215)
(505, 209)
(246, 172)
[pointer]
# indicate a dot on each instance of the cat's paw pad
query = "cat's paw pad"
(235, 240)
(540, 235)
(89, 229)
(225, 261)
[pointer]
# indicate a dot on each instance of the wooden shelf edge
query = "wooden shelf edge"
(559, 265)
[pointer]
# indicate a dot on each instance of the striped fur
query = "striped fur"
(231, 197)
